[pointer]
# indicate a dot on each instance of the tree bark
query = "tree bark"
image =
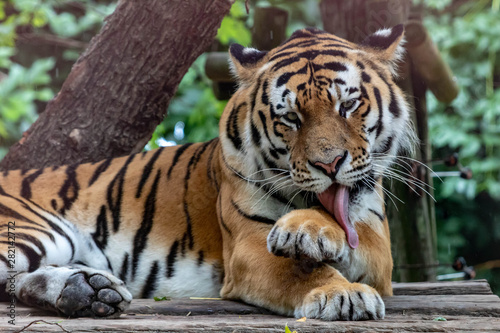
(119, 89)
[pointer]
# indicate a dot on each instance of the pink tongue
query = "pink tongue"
(336, 200)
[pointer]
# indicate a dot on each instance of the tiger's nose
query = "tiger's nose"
(331, 169)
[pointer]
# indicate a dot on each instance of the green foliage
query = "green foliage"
(470, 124)
(233, 28)
(466, 211)
(194, 114)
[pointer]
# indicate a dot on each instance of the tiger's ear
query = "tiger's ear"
(387, 44)
(245, 61)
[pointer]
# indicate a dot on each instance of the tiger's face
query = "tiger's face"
(321, 116)
(323, 109)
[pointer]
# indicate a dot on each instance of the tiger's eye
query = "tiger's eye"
(291, 116)
(348, 104)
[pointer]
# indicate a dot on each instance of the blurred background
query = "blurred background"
(41, 39)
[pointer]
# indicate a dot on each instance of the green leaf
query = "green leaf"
(164, 298)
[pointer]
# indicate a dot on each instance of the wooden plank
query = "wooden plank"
(471, 305)
(251, 323)
(471, 287)
(466, 305)
(404, 313)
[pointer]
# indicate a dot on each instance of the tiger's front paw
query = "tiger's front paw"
(309, 233)
(355, 302)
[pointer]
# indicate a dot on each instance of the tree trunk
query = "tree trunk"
(119, 89)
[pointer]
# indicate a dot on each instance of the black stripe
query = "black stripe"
(368, 109)
(313, 54)
(69, 191)
(380, 216)
(285, 77)
(14, 215)
(191, 165)
(124, 269)
(171, 259)
(365, 77)
(34, 258)
(201, 258)
(141, 237)
(232, 131)
(364, 93)
(338, 45)
(253, 217)
(115, 204)
(270, 164)
(394, 105)
(263, 119)
(25, 227)
(99, 170)
(351, 307)
(265, 98)
(147, 171)
(386, 145)
(255, 133)
(280, 55)
(35, 241)
(284, 63)
(9, 212)
(301, 44)
(101, 233)
(360, 65)
(210, 172)
(51, 224)
(7, 264)
(253, 94)
(177, 155)
(334, 66)
(378, 126)
(339, 81)
(26, 184)
(151, 281)
(221, 219)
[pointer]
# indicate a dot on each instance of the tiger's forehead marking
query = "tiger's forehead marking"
(314, 65)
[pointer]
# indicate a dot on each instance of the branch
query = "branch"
(48, 39)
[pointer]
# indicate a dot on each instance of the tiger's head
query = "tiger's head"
(323, 113)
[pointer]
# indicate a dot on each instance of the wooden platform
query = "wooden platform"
(467, 306)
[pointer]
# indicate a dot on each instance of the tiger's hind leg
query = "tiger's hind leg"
(38, 255)
(75, 291)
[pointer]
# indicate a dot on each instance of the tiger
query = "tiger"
(284, 210)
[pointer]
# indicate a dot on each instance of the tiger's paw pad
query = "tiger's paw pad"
(93, 296)
(295, 237)
(357, 302)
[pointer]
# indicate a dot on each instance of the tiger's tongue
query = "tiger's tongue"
(336, 201)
